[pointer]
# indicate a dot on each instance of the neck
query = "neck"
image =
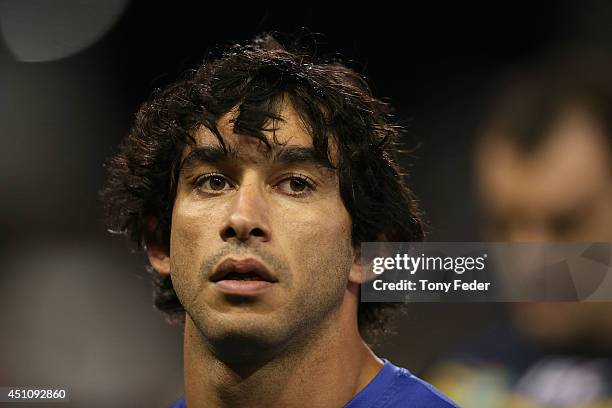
(326, 370)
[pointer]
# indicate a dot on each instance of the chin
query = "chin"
(243, 337)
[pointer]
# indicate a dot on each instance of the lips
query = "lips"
(242, 270)
(247, 277)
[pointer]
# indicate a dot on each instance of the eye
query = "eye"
(296, 185)
(212, 183)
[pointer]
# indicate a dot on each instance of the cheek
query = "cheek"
(316, 225)
(183, 236)
(317, 239)
(193, 225)
(193, 230)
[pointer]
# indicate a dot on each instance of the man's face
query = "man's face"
(260, 241)
(560, 192)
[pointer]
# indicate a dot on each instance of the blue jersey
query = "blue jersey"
(392, 387)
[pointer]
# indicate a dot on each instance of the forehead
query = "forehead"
(289, 131)
(573, 164)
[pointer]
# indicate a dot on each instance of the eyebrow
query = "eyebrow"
(283, 155)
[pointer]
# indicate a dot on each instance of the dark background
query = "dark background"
(75, 304)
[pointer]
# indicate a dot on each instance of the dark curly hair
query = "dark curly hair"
(332, 100)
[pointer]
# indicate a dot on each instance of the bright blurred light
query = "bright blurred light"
(38, 31)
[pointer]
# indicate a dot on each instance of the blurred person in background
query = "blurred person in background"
(543, 169)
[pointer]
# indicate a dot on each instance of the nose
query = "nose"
(247, 218)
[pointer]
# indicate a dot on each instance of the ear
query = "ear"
(356, 272)
(157, 251)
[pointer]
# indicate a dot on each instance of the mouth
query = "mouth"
(242, 277)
